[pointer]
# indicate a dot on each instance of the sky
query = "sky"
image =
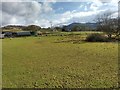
(56, 12)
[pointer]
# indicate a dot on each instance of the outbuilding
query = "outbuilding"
(23, 33)
(2, 36)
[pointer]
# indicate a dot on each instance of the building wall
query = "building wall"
(1, 35)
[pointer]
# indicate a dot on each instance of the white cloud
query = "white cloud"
(23, 12)
(83, 16)
(93, 7)
(15, 0)
(32, 12)
(85, 8)
(115, 15)
(42, 23)
(13, 20)
(81, 6)
(47, 7)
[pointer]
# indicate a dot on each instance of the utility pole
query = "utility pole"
(51, 25)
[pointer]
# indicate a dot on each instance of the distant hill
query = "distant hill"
(82, 26)
(20, 28)
(70, 27)
(13, 27)
(91, 25)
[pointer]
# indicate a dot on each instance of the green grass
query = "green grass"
(56, 61)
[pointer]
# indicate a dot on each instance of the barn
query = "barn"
(20, 34)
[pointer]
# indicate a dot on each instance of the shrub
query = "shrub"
(96, 38)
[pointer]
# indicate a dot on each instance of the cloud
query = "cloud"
(76, 16)
(81, 6)
(26, 12)
(93, 7)
(14, 12)
(47, 7)
(85, 9)
(115, 14)
(23, 12)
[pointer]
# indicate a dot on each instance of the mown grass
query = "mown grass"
(49, 62)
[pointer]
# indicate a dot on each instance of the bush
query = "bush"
(96, 38)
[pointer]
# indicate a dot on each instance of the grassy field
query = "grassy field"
(59, 61)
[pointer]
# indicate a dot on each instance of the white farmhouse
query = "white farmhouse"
(2, 36)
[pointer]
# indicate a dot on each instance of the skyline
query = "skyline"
(59, 13)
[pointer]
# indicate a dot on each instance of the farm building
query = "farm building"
(16, 34)
(8, 34)
(23, 33)
(2, 36)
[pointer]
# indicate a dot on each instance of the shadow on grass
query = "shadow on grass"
(71, 41)
(84, 41)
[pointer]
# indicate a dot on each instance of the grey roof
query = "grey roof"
(23, 33)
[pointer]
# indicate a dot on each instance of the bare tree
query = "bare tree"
(118, 30)
(106, 23)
